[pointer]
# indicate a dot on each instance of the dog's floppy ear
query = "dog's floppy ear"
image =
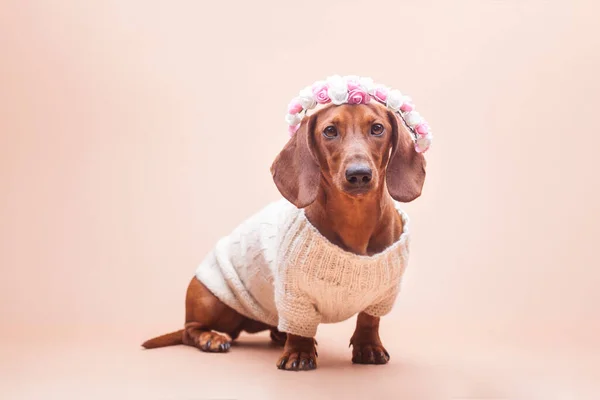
(406, 168)
(295, 170)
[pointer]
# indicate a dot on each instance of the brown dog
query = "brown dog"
(345, 166)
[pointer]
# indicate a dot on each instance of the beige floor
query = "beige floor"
(442, 361)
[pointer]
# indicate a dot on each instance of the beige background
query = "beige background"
(133, 134)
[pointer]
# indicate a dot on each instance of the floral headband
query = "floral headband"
(359, 90)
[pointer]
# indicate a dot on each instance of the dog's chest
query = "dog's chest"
(339, 283)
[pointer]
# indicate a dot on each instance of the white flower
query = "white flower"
(367, 84)
(338, 96)
(413, 118)
(306, 98)
(337, 84)
(423, 143)
(293, 119)
(394, 100)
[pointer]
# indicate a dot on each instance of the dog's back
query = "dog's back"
(239, 270)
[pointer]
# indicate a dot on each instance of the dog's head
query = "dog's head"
(353, 149)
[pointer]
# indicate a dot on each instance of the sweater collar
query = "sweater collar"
(398, 245)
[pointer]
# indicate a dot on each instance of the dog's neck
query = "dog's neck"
(363, 225)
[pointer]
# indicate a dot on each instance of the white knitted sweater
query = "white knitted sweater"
(278, 269)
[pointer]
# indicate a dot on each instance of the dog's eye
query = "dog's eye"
(330, 131)
(377, 130)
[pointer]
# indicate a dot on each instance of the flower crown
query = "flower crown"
(353, 89)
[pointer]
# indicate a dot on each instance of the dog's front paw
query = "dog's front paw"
(297, 361)
(299, 354)
(369, 353)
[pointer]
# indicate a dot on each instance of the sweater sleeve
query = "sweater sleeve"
(384, 304)
(297, 315)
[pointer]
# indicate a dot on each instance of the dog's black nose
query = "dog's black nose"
(358, 175)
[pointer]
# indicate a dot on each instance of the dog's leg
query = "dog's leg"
(366, 344)
(277, 337)
(206, 316)
(299, 353)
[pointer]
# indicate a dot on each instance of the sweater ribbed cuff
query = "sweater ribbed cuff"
(298, 329)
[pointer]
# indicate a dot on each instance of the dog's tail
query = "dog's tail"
(168, 339)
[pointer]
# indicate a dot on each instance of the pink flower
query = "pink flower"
(358, 96)
(422, 129)
(294, 107)
(406, 107)
(320, 93)
(293, 129)
(381, 94)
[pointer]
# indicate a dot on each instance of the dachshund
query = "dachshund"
(345, 168)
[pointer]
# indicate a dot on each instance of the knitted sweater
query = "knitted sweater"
(277, 268)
